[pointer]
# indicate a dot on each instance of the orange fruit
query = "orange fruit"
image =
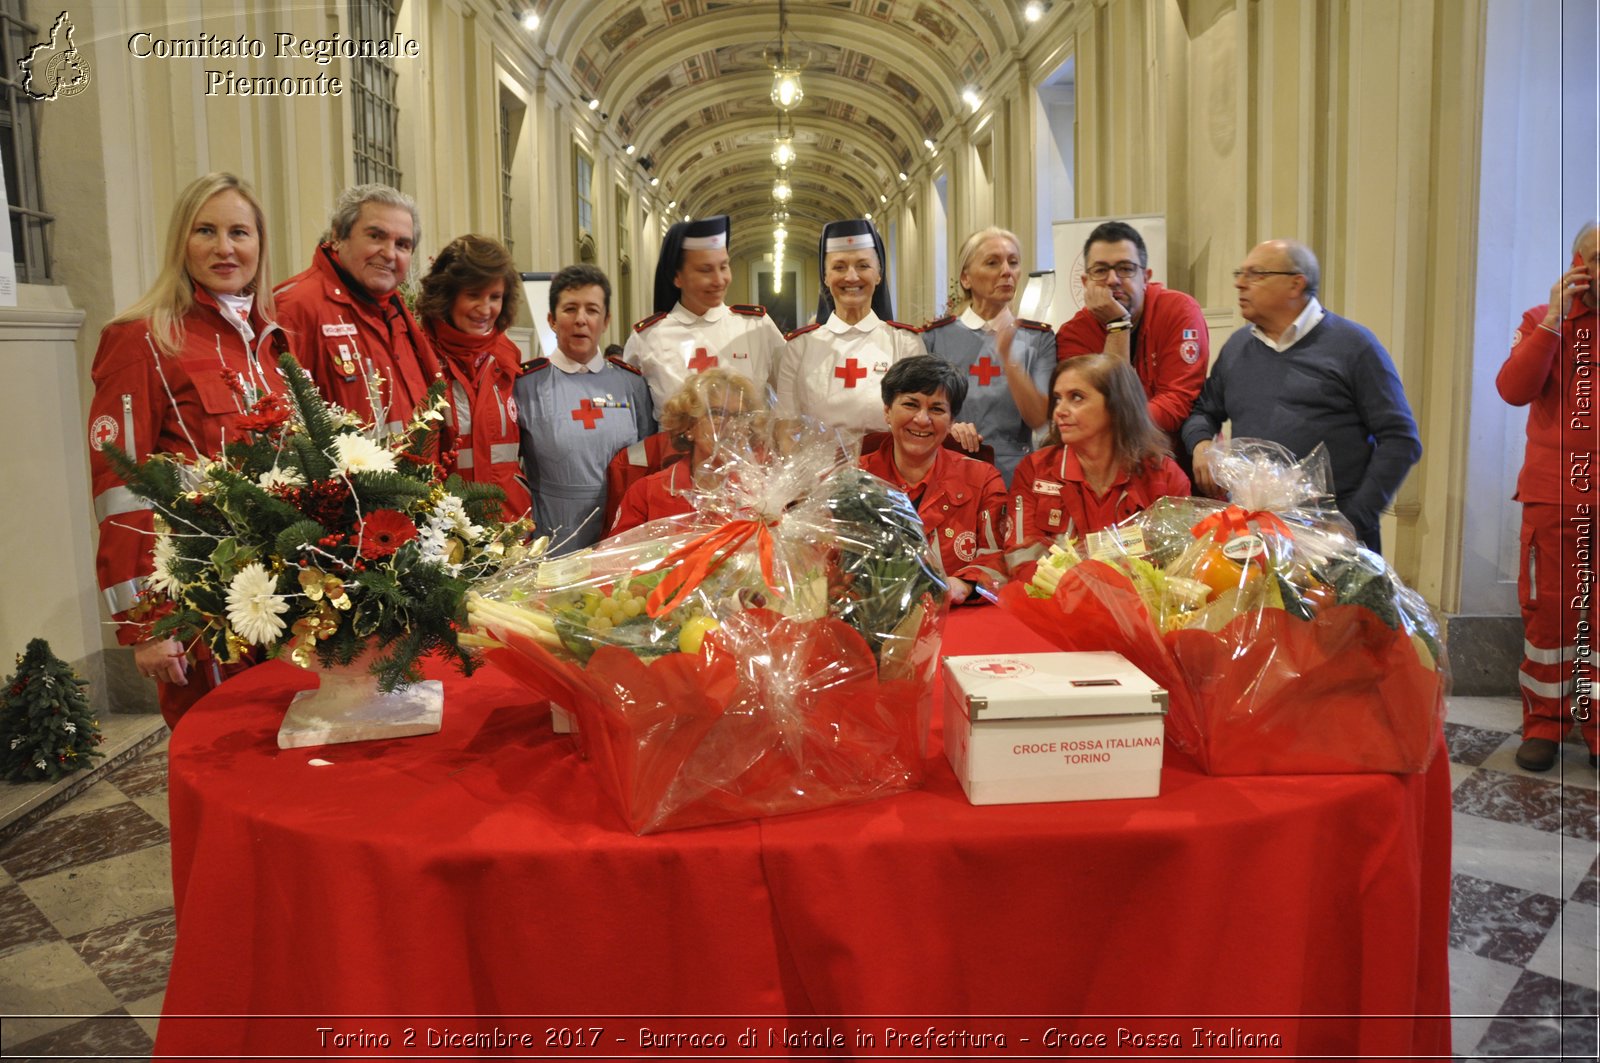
(1319, 595)
(1220, 572)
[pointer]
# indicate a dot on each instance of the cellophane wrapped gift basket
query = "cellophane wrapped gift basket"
(1285, 646)
(771, 652)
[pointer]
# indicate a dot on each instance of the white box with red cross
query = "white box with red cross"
(1026, 727)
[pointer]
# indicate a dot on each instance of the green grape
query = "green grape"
(600, 625)
(633, 607)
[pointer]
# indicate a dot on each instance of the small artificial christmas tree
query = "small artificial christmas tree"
(46, 726)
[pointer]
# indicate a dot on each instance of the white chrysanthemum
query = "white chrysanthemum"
(433, 545)
(162, 578)
(357, 453)
(451, 515)
(253, 605)
(279, 477)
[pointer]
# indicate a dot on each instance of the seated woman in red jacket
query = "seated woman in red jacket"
(1103, 461)
(959, 498)
(694, 417)
(469, 299)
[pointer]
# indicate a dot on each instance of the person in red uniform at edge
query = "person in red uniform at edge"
(469, 299)
(1126, 314)
(696, 415)
(1559, 504)
(1103, 461)
(174, 373)
(345, 316)
(960, 499)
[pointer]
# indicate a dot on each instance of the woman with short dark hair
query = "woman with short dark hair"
(960, 499)
(578, 409)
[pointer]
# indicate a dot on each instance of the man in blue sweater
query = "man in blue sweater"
(1299, 376)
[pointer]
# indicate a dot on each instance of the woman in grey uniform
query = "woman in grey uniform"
(1008, 360)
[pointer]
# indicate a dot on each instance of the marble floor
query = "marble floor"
(86, 924)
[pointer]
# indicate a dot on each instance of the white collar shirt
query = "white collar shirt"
(1307, 320)
(559, 359)
(686, 316)
(969, 317)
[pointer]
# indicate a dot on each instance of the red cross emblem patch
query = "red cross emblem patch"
(102, 431)
(998, 667)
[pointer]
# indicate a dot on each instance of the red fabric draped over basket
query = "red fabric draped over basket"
(693, 739)
(1267, 694)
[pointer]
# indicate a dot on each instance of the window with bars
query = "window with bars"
(19, 148)
(510, 125)
(624, 285)
(376, 115)
(583, 185)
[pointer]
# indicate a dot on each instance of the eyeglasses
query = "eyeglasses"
(1250, 276)
(1125, 270)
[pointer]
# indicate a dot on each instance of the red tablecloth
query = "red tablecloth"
(481, 872)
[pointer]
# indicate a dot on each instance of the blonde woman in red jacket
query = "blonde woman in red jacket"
(175, 373)
(469, 299)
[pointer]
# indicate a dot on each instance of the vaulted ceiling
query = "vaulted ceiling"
(688, 82)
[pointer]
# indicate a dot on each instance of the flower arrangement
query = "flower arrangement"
(772, 652)
(310, 538)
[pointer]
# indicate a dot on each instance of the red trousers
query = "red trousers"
(1555, 586)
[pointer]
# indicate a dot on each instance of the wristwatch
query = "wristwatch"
(1120, 325)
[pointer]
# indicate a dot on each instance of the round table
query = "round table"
(482, 872)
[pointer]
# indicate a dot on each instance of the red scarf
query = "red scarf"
(461, 351)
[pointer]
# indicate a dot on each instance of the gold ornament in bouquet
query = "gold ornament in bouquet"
(316, 538)
(771, 652)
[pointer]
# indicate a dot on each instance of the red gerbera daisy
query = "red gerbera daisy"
(383, 532)
(269, 413)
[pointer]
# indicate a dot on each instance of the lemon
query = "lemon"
(693, 633)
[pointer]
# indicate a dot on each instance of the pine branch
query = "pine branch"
(299, 536)
(388, 490)
(482, 500)
(155, 479)
(312, 464)
(246, 498)
(313, 409)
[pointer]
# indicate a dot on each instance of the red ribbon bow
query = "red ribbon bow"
(1233, 521)
(698, 558)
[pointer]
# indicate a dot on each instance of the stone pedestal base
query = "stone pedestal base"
(348, 708)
